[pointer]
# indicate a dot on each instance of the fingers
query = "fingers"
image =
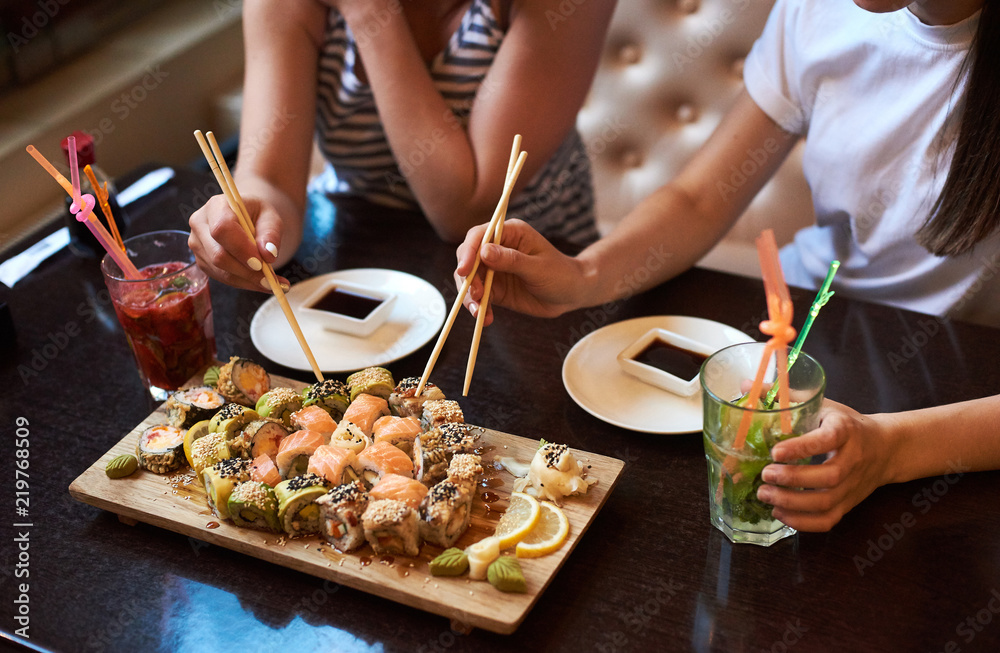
(809, 522)
(466, 252)
(268, 230)
(825, 439)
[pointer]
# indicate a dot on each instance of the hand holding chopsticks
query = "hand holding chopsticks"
(218, 164)
(495, 229)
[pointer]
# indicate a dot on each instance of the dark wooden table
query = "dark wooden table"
(916, 567)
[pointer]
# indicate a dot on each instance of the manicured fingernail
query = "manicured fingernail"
(474, 307)
(271, 248)
(285, 286)
(264, 284)
(254, 264)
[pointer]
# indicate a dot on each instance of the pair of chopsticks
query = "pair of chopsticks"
(493, 233)
(216, 161)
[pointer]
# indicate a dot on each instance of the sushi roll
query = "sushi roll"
(207, 451)
(464, 469)
(433, 450)
(380, 459)
(349, 436)
(391, 528)
(187, 407)
(298, 513)
(404, 401)
(375, 381)
(243, 381)
(160, 448)
(399, 488)
(230, 421)
(340, 512)
(397, 431)
(314, 418)
(364, 410)
(293, 453)
(445, 513)
(331, 395)
(220, 479)
(437, 412)
(263, 437)
(279, 404)
(254, 505)
(336, 464)
(263, 470)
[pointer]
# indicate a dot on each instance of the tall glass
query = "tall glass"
(167, 314)
(734, 474)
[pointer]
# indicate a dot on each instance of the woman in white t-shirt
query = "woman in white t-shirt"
(897, 102)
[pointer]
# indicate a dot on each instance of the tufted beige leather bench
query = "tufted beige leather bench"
(669, 71)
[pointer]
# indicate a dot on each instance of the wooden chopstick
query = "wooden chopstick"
(488, 281)
(217, 162)
(487, 237)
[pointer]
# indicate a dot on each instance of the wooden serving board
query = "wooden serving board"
(177, 502)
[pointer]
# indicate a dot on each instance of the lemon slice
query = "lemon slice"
(548, 535)
(198, 430)
(521, 517)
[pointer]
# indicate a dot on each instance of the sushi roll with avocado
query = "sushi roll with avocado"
(243, 381)
(445, 513)
(185, 408)
(404, 400)
(208, 450)
(340, 512)
(220, 480)
(391, 528)
(254, 505)
(330, 395)
(230, 422)
(161, 448)
(279, 404)
(372, 381)
(298, 513)
(437, 412)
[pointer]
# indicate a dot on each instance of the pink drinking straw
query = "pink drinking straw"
(74, 169)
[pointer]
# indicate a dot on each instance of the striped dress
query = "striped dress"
(559, 200)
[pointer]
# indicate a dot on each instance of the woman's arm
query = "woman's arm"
(282, 46)
(665, 235)
(534, 87)
(868, 451)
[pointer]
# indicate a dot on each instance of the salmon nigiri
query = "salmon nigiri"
(336, 464)
(381, 459)
(294, 451)
(364, 410)
(401, 488)
(397, 431)
(262, 470)
(314, 418)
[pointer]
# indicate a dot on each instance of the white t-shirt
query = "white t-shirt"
(873, 95)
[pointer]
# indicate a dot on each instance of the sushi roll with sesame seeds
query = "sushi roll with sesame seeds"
(434, 450)
(464, 469)
(445, 513)
(349, 436)
(254, 505)
(220, 480)
(207, 451)
(160, 448)
(187, 407)
(437, 412)
(279, 404)
(391, 527)
(404, 400)
(372, 381)
(243, 381)
(340, 512)
(331, 395)
(298, 513)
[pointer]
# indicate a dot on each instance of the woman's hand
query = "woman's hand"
(857, 464)
(223, 249)
(530, 275)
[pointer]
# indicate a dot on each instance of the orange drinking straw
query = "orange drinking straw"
(779, 327)
(102, 201)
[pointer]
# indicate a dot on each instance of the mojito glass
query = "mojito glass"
(734, 474)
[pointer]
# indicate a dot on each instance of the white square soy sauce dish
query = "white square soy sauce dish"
(667, 360)
(347, 307)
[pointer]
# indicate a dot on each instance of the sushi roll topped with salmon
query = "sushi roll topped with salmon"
(294, 452)
(382, 458)
(399, 488)
(314, 418)
(364, 410)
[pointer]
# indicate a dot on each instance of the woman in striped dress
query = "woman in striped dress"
(414, 104)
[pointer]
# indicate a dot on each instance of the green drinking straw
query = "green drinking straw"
(822, 297)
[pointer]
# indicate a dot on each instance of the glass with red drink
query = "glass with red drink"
(167, 313)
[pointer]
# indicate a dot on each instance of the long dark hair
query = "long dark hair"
(968, 208)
